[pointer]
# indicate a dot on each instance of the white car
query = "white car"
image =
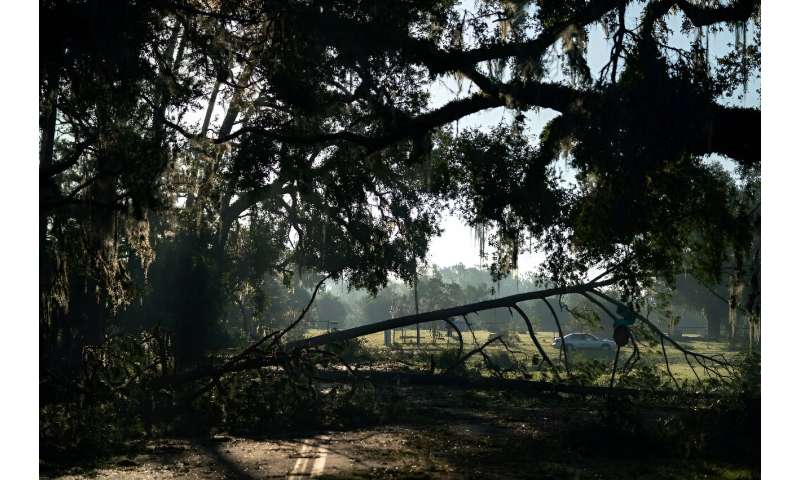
(584, 341)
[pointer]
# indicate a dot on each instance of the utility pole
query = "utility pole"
(416, 300)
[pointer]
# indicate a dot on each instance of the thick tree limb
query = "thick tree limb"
(496, 384)
(701, 16)
(562, 346)
(472, 352)
(532, 334)
(344, 33)
(460, 337)
(734, 132)
(408, 320)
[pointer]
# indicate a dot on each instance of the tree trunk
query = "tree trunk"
(714, 324)
(416, 305)
(102, 253)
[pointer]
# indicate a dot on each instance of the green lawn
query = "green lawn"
(651, 355)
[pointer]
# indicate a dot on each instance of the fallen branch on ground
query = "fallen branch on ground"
(472, 352)
(488, 383)
(562, 347)
(253, 357)
(408, 320)
(531, 333)
(700, 358)
(720, 361)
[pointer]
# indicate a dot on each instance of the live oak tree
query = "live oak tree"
(272, 138)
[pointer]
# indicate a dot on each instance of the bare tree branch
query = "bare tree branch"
(532, 334)
(562, 346)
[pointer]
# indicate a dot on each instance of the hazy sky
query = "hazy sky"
(457, 242)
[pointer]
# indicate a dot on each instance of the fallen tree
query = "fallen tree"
(510, 301)
(263, 353)
(496, 384)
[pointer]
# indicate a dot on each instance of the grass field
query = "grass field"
(521, 342)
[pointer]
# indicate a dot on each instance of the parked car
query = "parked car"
(583, 341)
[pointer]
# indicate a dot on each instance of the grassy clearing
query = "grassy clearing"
(651, 355)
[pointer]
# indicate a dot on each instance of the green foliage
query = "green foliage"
(260, 401)
(506, 362)
(95, 413)
(647, 377)
(448, 360)
(352, 351)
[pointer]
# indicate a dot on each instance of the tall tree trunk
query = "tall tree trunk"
(48, 268)
(102, 286)
(714, 324)
(416, 303)
(735, 291)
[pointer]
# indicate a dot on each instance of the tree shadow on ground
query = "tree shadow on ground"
(232, 469)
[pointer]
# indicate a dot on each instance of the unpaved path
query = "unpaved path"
(363, 452)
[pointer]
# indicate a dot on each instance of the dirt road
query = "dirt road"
(443, 435)
(361, 453)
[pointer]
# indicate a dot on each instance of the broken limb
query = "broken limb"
(512, 351)
(434, 315)
(498, 384)
(473, 352)
(698, 356)
(563, 348)
(666, 359)
(280, 333)
(460, 337)
(635, 356)
(614, 369)
(545, 358)
(305, 310)
(686, 356)
(486, 359)
(253, 357)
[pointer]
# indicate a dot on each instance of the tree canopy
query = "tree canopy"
(244, 139)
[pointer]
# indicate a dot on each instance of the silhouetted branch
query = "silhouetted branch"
(614, 368)
(473, 352)
(658, 331)
(528, 324)
(499, 384)
(435, 315)
(634, 358)
(562, 346)
(701, 359)
(701, 16)
(666, 362)
(460, 337)
(486, 359)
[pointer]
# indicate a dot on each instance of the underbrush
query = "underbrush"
(114, 402)
(714, 419)
(117, 398)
